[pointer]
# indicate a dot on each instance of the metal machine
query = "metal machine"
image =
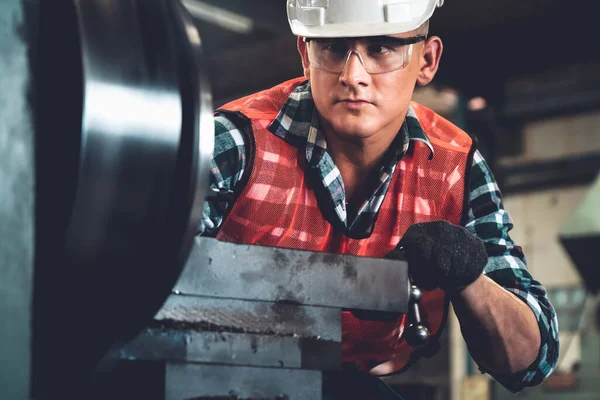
(116, 297)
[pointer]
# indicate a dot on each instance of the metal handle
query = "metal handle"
(416, 333)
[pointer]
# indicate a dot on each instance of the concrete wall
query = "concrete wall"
(538, 216)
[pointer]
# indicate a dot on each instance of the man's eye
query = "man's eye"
(336, 48)
(379, 49)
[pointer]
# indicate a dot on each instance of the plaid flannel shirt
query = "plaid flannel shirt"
(298, 124)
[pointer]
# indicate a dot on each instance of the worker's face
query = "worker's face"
(357, 105)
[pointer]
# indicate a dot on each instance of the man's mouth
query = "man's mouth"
(350, 100)
(354, 103)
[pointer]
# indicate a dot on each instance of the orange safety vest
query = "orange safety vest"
(278, 208)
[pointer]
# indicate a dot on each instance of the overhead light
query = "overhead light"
(477, 104)
(219, 16)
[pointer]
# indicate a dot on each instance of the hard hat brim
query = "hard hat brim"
(352, 30)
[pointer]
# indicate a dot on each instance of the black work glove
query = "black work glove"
(441, 255)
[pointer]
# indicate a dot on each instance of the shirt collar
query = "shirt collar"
(298, 124)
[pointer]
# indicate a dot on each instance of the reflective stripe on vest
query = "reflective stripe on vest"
(278, 208)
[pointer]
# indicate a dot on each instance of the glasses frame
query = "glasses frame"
(409, 41)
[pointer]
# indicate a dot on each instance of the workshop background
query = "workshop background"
(520, 76)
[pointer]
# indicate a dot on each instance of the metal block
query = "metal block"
(227, 270)
(226, 315)
(233, 349)
(187, 381)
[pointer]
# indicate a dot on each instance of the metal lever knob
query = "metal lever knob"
(416, 333)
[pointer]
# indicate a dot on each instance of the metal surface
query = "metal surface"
(146, 143)
(17, 182)
(273, 351)
(145, 152)
(126, 136)
(182, 382)
(204, 138)
(416, 333)
(252, 317)
(132, 126)
(226, 270)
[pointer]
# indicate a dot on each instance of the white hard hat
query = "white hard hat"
(357, 18)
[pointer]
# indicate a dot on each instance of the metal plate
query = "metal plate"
(252, 317)
(211, 382)
(226, 270)
(226, 348)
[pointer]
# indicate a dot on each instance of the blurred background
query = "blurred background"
(521, 77)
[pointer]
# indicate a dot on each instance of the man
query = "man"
(342, 161)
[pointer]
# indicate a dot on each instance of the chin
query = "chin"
(354, 132)
(354, 127)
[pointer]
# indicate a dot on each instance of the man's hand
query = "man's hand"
(442, 255)
(501, 330)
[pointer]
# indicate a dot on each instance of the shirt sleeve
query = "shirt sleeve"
(227, 167)
(507, 266)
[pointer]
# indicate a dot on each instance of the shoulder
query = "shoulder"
(440, 131)
(265, 104)
(224, 124)
(229, 134)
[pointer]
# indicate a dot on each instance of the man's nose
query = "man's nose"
(354, 72)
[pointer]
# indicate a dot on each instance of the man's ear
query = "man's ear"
(430, 56)
(302, 49)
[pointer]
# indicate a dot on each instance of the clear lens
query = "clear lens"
(312, 3)
(377, 58)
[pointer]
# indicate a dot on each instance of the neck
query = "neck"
(357, 158)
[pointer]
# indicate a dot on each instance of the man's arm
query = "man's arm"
(500, 330)
(227, 167)
(506, 318)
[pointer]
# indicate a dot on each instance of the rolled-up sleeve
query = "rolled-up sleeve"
(507, 266)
